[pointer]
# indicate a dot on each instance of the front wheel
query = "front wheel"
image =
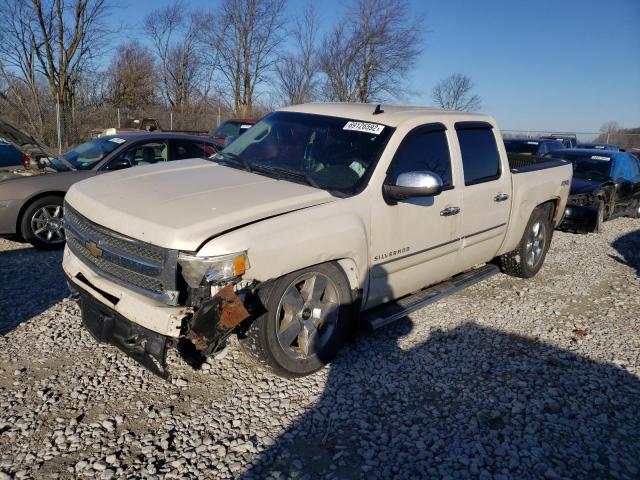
(41, 224)
(305, 323)
(527, 259)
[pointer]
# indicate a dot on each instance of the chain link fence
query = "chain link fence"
(62, 128)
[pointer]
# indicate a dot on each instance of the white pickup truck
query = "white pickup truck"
(319, 218)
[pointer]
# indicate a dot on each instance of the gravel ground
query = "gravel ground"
(508, 379)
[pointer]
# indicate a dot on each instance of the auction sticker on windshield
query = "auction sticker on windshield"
(374, 128)
(598, 157)
(117, 140)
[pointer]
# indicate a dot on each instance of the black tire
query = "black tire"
(28, 222)
(261, 341)
(515, 263)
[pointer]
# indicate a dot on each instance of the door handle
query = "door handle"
(447, 212)
(501, 197)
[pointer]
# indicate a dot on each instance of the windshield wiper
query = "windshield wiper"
(306, 178)
(237, 158)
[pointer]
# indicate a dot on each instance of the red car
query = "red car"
(231, 128)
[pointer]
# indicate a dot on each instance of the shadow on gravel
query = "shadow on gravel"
(30, 281)
(470, 402)
(628, 246)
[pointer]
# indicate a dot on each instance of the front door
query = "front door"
(486, 194)
(415, 243)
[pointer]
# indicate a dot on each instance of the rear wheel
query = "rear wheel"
(41, 224)
(305, 324)
(527, 259)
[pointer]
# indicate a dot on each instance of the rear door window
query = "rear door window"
(424, 149)
(480, 158)
(183, 149)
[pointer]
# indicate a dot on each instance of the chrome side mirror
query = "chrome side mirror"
(413, 184)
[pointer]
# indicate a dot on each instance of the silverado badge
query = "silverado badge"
(93, 249)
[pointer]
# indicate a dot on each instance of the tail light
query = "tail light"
(26, 161)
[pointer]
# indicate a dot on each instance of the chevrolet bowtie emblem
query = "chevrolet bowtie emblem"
(93, 249)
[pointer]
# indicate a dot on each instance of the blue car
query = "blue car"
(532, 146)
(10, 156)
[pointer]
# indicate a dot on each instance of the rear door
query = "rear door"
(486, 197)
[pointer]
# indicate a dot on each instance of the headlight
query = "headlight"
(215, 270)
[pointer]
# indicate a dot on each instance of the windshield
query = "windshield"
(326, 152)
(521, 146)
(86, 155)
(589, 167)
(228, 129)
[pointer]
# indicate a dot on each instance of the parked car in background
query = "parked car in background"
(601, 146)
(231, 128)
(143, 125)
(318, 217)
(531, 146)
(606, 185)
(31, 207)
(568, 140)
(11, 157)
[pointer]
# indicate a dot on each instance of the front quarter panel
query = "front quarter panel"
(296, 240)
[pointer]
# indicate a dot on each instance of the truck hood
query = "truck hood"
(180, 205)
(580, 186)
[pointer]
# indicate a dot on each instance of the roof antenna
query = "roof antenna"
(378, 110)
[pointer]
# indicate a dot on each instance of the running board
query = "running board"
(392, 311)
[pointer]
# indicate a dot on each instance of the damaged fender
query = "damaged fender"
(215, 319)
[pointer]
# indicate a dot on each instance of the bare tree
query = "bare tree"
(369, 52)
(54, 40)
(247, 40)
(454, 93)
(173, 31)
(296, 72)
(609, 132)
(132, 77)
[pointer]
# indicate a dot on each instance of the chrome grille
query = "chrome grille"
(137, 265)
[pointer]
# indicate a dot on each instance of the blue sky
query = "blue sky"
(537, 65)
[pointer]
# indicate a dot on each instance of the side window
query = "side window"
(425, 148)
(144, 154)
(480, 158)
(183, 149)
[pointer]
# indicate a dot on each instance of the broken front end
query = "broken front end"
(581, 213)
(144, 299)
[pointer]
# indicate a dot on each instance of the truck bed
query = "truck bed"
(519, 163)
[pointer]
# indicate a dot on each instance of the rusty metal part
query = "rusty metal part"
(215, 319)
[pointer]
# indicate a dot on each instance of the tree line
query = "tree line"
(247, 55)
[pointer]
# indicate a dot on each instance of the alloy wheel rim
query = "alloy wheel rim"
(535, 244)
(307, 315)
(47, 224)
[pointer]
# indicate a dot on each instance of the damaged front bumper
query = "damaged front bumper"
(203, 334)
(580, 218)
(107, 326)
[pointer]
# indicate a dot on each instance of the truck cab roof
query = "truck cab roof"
(390, 115)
